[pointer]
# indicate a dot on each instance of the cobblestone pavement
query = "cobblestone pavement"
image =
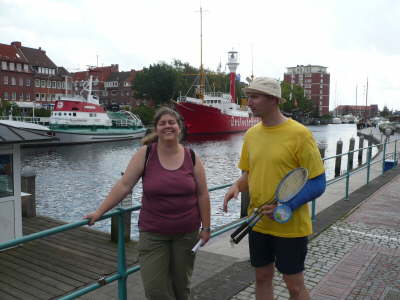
(356, 258)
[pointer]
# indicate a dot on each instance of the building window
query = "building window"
(12, 66)
(13, 81)
(37, 83)
(19, 67)
(21, 82)
(43, 83)
(58, 85)
(5, 80)
(14, 96)
(28, 82)
(4, 65)
(53, 84)
(6, 175)
(21, 97)
(26, 68)
(48, 84)
(37, 97)
(5, 95)
(28, 97)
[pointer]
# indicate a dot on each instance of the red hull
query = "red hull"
(202, 119)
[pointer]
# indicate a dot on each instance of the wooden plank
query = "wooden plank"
(8, 293)
(62, 274)
(26, 288)
(44, 277)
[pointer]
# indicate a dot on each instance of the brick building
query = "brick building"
(358, 110)
(29, 75)
(315, 80)
(118, 89)
(15, 75)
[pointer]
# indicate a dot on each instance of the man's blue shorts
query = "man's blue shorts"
(288, 254)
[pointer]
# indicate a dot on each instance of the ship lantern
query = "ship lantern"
(233, 61)
(232, 64)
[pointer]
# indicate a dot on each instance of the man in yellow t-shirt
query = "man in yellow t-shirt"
(270, 150)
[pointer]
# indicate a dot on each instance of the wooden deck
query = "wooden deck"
(53, 266)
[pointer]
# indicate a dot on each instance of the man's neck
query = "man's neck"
(274, 119)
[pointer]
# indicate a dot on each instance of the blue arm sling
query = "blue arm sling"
(314, 188)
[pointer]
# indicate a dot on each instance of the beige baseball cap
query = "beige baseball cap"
(267, 86)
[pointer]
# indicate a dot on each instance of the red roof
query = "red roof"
(11, 53)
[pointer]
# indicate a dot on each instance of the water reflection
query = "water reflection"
(72, 180)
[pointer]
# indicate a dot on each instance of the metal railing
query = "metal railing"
(123, 272)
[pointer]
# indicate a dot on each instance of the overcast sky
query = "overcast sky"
(355, 39)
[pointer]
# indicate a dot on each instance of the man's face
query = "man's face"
(261, 105)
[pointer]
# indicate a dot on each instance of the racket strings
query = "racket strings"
(291, 185)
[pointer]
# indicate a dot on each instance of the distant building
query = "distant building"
(28, 75)
(118, 90)
(361, 111)
(315, 80)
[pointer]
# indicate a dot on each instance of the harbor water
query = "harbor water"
(71, 181)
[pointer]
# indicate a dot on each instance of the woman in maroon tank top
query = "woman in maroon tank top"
(175, 202)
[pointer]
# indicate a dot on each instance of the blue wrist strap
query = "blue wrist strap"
(314, 188)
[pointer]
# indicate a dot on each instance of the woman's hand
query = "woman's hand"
(93, 217)
(204, 236)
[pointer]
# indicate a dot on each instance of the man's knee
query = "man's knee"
(265, 273)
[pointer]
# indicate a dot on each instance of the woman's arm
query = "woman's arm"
(123, 186)
(203, 198)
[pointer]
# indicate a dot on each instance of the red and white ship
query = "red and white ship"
(215, 112)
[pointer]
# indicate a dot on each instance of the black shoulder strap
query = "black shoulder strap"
(148, 149)
(193, 156)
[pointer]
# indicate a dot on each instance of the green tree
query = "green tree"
(145, 113)
(157, 82)
(385, 112)
(296, 102)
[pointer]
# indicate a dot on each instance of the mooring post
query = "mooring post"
(28, 202)
(351, 153)
(338, 161)
(360, 152)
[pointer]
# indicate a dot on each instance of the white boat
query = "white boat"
(336, 121)
(76, 120)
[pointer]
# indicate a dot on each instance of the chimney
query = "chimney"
(16, 44)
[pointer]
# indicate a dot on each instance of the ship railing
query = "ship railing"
(34, 120)
(123, 271)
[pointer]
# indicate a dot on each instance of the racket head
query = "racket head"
(282, 213)
(291, 184)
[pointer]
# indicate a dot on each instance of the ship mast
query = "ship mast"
(202, 76)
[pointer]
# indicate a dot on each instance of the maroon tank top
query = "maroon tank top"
(169, 201)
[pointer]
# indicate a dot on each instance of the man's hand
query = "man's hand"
(233, 192)
(268, 210)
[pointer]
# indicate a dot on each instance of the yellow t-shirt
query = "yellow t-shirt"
(268, 154)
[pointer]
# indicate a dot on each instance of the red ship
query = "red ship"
(215, 112)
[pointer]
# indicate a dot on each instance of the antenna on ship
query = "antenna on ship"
(202, 77)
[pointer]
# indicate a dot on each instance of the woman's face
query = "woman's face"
(168, 128)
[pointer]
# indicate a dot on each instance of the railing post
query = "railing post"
(125, 203)
(360, 151)
(395, 150)
(122, 293)
(349, 161)
(351, 154)
(369, 156)
(338, 161)
(384, 156)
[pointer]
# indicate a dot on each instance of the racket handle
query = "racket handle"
(239, 229)
(197, 246)
(237, 239)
